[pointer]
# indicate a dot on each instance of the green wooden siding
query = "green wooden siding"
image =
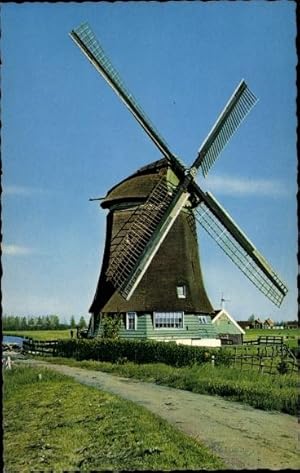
(140, 332)
(144, 329)
(224, 325)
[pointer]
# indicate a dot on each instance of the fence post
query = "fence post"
(213, 360)
(8, 362)
(261, 366)
(272, 359)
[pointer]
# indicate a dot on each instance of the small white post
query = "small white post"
(8, 363)
(213, 360)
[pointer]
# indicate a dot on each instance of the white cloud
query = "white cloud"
(242, 186)
(22, 191)
(15, 250)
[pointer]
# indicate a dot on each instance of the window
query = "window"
(204, 319)
(181, 291)
(168, 319)
(131, 321)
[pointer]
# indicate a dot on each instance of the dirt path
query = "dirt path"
(244, 437)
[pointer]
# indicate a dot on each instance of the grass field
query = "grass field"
(291, 336)
(57, 424)
(276, 392)
(41, 334)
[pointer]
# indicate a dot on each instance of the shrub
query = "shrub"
(111, 326)
(139, 351)
(282, 367)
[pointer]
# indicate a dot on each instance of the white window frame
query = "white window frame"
(169, 318)
(181, 291)
(204, 319)
(128, 314)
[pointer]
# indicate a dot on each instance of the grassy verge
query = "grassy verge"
(276, 392)
(57, 424)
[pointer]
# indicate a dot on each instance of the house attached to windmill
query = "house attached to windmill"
(229, 331)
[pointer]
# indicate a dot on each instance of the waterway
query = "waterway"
(12, 339)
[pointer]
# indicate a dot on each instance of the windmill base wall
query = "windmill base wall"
(230, 339)
(196, 342)
(192, 332)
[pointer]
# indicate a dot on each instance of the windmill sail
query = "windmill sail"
(220, 226)
(237, 108)
(131, 261)
(139, 240)
(84, 37)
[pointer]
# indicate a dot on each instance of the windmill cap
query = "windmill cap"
(138, 185)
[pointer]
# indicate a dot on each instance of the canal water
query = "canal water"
(12, 339)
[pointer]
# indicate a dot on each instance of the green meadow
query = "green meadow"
(41, 334)
(53, 423)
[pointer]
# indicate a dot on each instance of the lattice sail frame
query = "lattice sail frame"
(131, 243)
(240, 250)
(233, 114)
(84, 37)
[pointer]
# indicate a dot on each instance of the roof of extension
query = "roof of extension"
(222, 312)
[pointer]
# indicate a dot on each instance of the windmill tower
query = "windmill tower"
(151, 272)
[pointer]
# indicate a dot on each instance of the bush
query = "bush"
(282, 367)
(114, 350)
(111, 326)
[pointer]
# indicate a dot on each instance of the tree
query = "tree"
(54, 322)
(111, 326)
(72, 322)
(251, 318)
(31, 323)
(82, 322)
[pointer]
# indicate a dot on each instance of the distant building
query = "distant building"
(245, 324)
(257, 323)
(229, 331)
(292, 324)
(268, 323)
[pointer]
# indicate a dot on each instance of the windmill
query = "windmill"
(153, 213)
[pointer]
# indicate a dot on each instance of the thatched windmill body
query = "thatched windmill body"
(151, 273)
(173, 282)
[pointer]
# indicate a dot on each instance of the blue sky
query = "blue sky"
(66, 137)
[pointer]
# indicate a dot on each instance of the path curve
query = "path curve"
(244, 437)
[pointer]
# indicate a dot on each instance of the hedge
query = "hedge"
(138, 351)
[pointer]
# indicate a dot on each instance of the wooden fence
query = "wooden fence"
(266, 358)
(40, 347)
(268, 364)
(265, 340)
